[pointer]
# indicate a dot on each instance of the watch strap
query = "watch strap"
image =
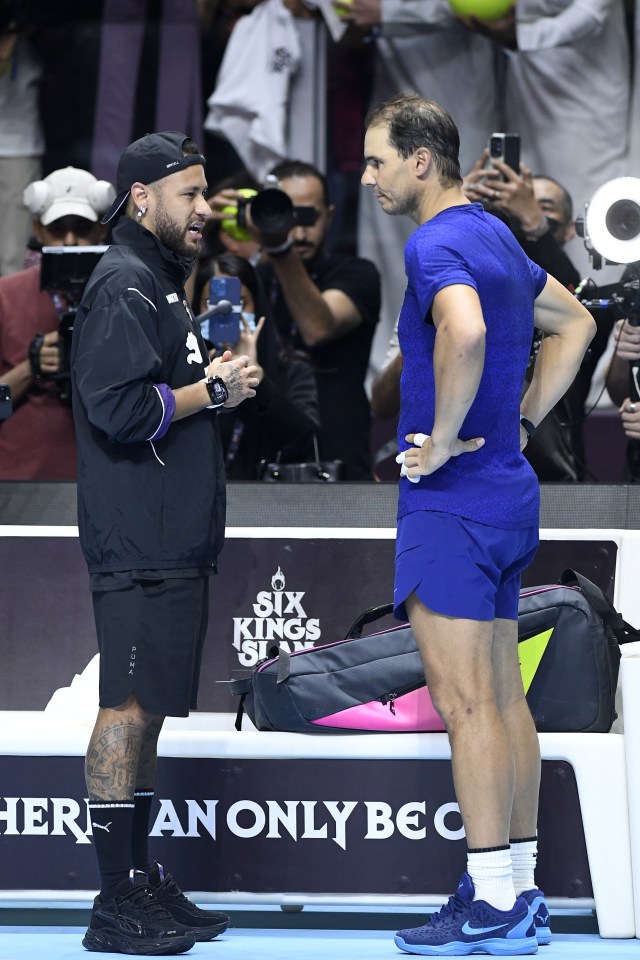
(529, 428)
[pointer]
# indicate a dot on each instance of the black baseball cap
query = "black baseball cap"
(152, 157)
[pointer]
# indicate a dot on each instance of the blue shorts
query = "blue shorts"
(460, 568)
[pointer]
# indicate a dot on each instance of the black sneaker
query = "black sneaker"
(204, 924)
(134, 922)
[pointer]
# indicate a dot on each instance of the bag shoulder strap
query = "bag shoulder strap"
(369, 616)
(623, 631)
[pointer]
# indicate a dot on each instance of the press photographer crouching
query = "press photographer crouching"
(37, 441)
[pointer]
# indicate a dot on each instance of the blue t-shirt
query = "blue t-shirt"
(494, 485)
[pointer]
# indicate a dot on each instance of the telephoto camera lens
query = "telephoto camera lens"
(272, 212)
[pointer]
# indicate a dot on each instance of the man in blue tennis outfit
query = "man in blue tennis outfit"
(468, 507)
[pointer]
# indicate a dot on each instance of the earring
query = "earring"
(141, 212)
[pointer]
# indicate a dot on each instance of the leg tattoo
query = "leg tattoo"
(111, 766)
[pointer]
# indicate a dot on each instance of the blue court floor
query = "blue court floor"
(64, 943)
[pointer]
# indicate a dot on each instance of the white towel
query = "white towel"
(249, 104)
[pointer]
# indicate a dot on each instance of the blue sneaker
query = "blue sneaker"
(540, 912)
(465, 926)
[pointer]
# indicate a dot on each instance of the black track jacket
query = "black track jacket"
(143, 504)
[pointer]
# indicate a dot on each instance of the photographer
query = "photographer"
(37, 442)
(539, 211)
(216, 238)
(327, 305)
(619, 381)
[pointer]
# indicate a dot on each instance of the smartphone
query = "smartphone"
(505, 147)
(220, 324)
(6, 405)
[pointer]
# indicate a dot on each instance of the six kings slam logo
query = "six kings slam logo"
(278, 618)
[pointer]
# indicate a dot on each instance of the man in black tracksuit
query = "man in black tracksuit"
(151, 506)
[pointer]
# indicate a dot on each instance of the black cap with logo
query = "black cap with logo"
(148, 159)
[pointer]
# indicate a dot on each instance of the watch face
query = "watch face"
(217, 390)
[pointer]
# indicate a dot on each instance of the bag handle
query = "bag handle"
(623, 631)
(316, 451)
(240, 688)
(284, 663)
(369, 616)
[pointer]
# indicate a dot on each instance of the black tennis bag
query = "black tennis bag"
(568, 640)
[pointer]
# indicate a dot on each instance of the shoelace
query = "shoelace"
(173, 889)
(453, 905)
(144, 899)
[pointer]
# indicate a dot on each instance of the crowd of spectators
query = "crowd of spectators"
(319, 300)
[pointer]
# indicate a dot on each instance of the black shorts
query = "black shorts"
(150, 637)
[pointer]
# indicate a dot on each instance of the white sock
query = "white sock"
(524, 856)
(492, 878)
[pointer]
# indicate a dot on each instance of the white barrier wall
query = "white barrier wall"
(606, 766)
(630, 682)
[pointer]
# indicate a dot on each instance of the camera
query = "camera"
(6, 405)
(270, 210)
(64, 273)
(220, 322)
(610, 227)
(505, 147)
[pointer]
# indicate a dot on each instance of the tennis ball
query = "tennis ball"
(482, 9)
(230, 223)
(339, 11)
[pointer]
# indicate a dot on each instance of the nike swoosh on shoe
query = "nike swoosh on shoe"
(470, 931)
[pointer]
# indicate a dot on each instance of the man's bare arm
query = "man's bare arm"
(458, 359)
(627, 350)
(458, 362)
(318, 316)
(569, 329)
(385, 389)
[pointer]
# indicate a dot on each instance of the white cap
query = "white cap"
(69, 192)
